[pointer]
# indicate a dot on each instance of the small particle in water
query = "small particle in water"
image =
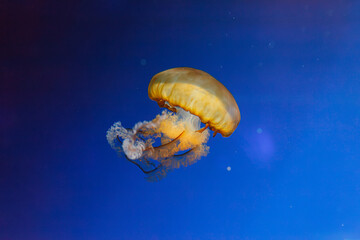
(271, 44)
(143, 62)
(342, 224)
(228, 168)
(259, 130)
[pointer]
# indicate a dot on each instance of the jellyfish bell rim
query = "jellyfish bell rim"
(167, 105)
(211, 88)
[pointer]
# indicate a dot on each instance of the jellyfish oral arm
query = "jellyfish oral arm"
(138, 165)
(183, 142)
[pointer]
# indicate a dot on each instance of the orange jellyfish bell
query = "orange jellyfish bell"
(199, 93)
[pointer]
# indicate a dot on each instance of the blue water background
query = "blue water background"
(70, 69)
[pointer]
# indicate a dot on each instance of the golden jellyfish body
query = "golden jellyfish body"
(192, 96)
(199, 93)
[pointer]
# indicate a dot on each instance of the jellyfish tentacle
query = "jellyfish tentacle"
(215, 132)
(142, 169)
(149, 163)
(178, 160)
(143, 139)
(183, 154)
(166, 144)
(203, 129)
(157, 175)
(172, 141)
(117, 137)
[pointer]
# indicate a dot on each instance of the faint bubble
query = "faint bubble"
(259, 130)
(143, 62)
(221, 66)
(342, 224)
(228, 168)
(233, 18)
(271, 44)
(260, 64)
(261, 147)
(290, 206)
(303, 66)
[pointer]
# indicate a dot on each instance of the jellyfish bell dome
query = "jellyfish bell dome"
(199, 93)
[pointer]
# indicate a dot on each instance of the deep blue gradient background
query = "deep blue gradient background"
(70, 70)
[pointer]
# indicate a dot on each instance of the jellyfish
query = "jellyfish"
(195, 103)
